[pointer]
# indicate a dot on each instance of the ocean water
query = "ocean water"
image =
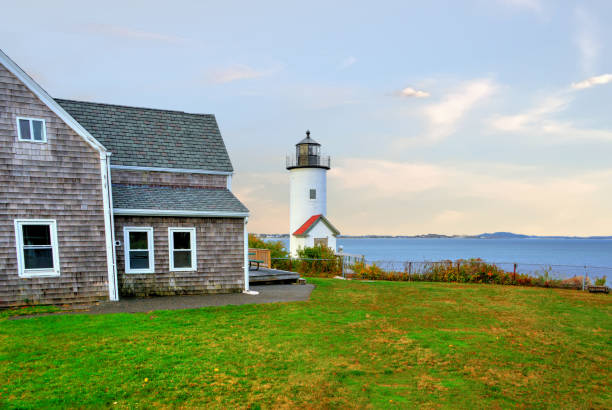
(562, 257)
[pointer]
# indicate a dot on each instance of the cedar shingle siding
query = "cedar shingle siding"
(60, 180)
(220, 247)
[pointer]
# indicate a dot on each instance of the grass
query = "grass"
(355, 344)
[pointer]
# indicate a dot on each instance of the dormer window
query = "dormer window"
(31, 129)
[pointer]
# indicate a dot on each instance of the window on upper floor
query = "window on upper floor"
(313, 194)
(31, 129)
(37, 250)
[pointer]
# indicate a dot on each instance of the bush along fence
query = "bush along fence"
(459, 271)
(479, 271)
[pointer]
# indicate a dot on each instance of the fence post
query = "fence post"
(584, 277)
(514, 274)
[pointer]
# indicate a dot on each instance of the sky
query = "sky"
(440, 117)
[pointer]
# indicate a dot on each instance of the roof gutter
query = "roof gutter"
(166, 212)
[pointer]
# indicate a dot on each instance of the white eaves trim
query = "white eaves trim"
(50, 102)
(164, 212)
(179, 170)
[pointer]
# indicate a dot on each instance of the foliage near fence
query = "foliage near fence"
(318, 262)
(463, 271)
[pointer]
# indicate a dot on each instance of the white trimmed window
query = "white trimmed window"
(138, 250)
(37, 250)
(31, 129)
(182, 246)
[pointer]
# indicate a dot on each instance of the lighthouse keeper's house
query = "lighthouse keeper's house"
(99, 201)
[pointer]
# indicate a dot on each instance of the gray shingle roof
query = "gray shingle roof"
(175, 199)
(149, 137)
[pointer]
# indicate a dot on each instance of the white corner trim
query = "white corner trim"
(49, 101)
(163, 212)
(229, 182)
(150, 248)
(109, 229)
(178, 170)
(246, 256)
(193, 248)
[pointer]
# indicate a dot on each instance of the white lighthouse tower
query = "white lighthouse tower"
(308, 223)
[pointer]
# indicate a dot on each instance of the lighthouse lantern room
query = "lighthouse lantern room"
(308, 221)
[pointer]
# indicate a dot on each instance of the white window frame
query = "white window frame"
(192, 237)
(44, 129)
(150, 244)
(32, 273)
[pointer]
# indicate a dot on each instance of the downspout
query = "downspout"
(247, 289)
(107, 202)
(112, 224)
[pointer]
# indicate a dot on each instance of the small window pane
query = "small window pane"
(36, 235)
(182, 240)
(139, 240)
(38, 130)
(38, 258)
(139, 260)
(24, 129)
(182, 259)
(313, 194)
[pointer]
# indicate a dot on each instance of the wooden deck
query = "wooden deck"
(266, 275)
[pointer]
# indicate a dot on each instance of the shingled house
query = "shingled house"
(99, 200)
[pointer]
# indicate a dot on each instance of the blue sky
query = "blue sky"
(441, 116)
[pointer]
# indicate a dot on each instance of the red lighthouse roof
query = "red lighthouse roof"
(311, 222)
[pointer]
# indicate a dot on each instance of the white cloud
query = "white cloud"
(592, 81)
(587, 40)
(386, 178)
(405, 197)
(347, 62)
(538, 122)
(530, 118)
(129, 33)
(411, 92)
(443, 117)
(239, 72)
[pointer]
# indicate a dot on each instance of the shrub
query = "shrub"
(277, 248)
(600, 281)
(464, 271)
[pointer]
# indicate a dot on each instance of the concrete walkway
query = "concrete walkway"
(267, 294)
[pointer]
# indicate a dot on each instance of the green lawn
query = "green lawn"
(355, 344)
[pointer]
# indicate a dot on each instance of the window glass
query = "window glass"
(139, 259)
(38, 258)
(182, 240)
(139, 240)
(313, 194)
(36, 235)
(37, 126)
(182, 259)
(24, 129)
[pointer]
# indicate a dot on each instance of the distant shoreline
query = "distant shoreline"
(495, 235)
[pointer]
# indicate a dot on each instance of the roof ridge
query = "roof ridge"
(131, 107)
